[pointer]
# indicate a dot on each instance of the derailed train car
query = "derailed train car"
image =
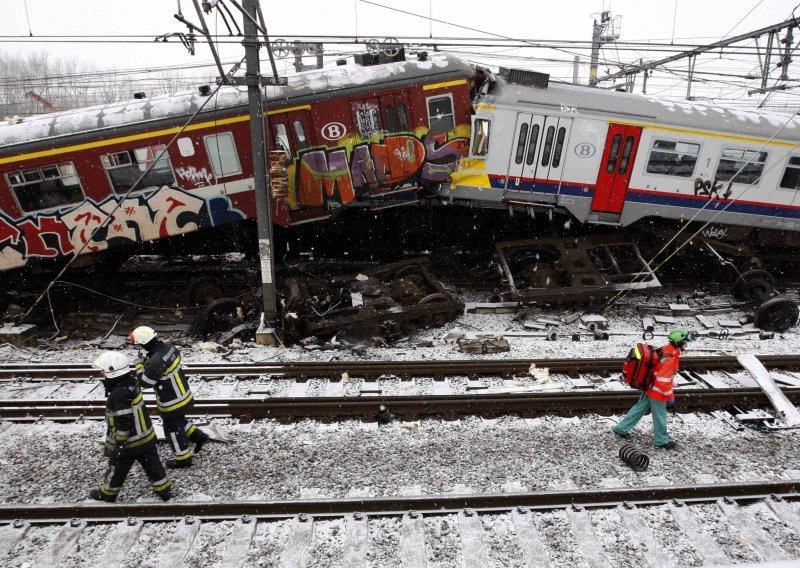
(624, 160)
(355, 136)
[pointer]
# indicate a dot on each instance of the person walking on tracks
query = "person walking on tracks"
(659, 395)
(129, 433)
(162, 371)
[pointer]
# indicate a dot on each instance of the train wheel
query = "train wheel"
(204, 291)
(754, 286)
(777, 314)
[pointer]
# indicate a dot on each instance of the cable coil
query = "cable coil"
(634, 457)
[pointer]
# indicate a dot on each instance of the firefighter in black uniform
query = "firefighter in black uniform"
(162, 371)
(129, 434)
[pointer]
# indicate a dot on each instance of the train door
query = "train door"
(524, 149)
(395, 113)
(544, 158)
(616, 167)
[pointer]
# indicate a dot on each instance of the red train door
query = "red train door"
(616, 168)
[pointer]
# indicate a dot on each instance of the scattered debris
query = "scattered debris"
(787, 413)
(17, 335)
(594, 322)
(483, 346)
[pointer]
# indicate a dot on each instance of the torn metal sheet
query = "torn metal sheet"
(785, 410)
(572, 269)
(382, 301)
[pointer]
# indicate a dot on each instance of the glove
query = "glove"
(671, 403)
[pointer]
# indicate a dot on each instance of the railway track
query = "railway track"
(407, 407)
(373, 369)
(715, 524)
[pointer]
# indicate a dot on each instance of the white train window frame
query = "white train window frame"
(112, 161)
(677, 141)
(216, 160)
(755, 183)
(786, 169)
(437, 117)
(63, 171)
(485, 140)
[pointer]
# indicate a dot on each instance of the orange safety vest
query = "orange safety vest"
(665, 374)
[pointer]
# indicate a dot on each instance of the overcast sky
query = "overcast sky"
(662, 20)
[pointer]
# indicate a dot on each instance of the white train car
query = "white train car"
(616, 158)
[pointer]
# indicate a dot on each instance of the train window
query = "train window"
(124, 168)
(368, 120)
(673, 158)
(548, 145)
(56, 185)
(282, 138)
(791, 177)
(612, 155)
(186, 147)
(562, 132)
(480, 137)
(626, 155)
(391, 126)
(222, 153)
(402, 118)
(441, 118)
(750, 162)
(300, 135)
(531, 157)
(523, 137)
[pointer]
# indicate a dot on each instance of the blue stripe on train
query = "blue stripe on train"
(674, 200)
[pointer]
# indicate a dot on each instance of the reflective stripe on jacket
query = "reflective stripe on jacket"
(164, 373)
(668, 364)
(127, 422)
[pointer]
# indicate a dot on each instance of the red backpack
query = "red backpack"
(640, 366)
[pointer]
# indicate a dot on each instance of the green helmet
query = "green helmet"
(679, 335)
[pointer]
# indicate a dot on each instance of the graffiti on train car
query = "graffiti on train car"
(712, 189)
(163, 213)
(341, 175)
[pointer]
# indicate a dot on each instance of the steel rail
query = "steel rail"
(370, 369)
(385, 506)
(525, 403)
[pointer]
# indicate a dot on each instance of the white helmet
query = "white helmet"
(142, 335)
(112, 363)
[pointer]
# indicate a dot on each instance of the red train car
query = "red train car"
(355, 136)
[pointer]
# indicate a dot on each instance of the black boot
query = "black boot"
(200, 439)
(98, 495)
(173, 464)
(165, 495)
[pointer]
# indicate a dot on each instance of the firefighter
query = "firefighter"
(656, 398)
(129, 433)
(161, 370)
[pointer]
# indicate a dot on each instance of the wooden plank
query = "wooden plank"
(587, 540)
(171, 552)
(63, 543)
(534, 551)
(10, 536)
(703, 543)
(707, 323)
(644, 536)
(473, 547)
(412, 543)
(298, 389)
(123, 537)
(785, 410)
(743, 518)
(238, 544)
(356, 542)
(298, 545)
(334, 388)
(441, 388)
(82, 391)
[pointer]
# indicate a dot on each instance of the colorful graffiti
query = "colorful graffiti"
(163, 213)
(341, 175)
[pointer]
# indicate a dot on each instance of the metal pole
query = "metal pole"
(260, 173)
(575, 63)
(765, 75)
(596, 30)
(689, 81)
(787, 58)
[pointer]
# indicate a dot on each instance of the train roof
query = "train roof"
(308, 86)
(629, 107)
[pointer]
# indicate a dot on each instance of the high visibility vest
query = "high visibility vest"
(127, 422)
(668, 364)
(163, 372)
